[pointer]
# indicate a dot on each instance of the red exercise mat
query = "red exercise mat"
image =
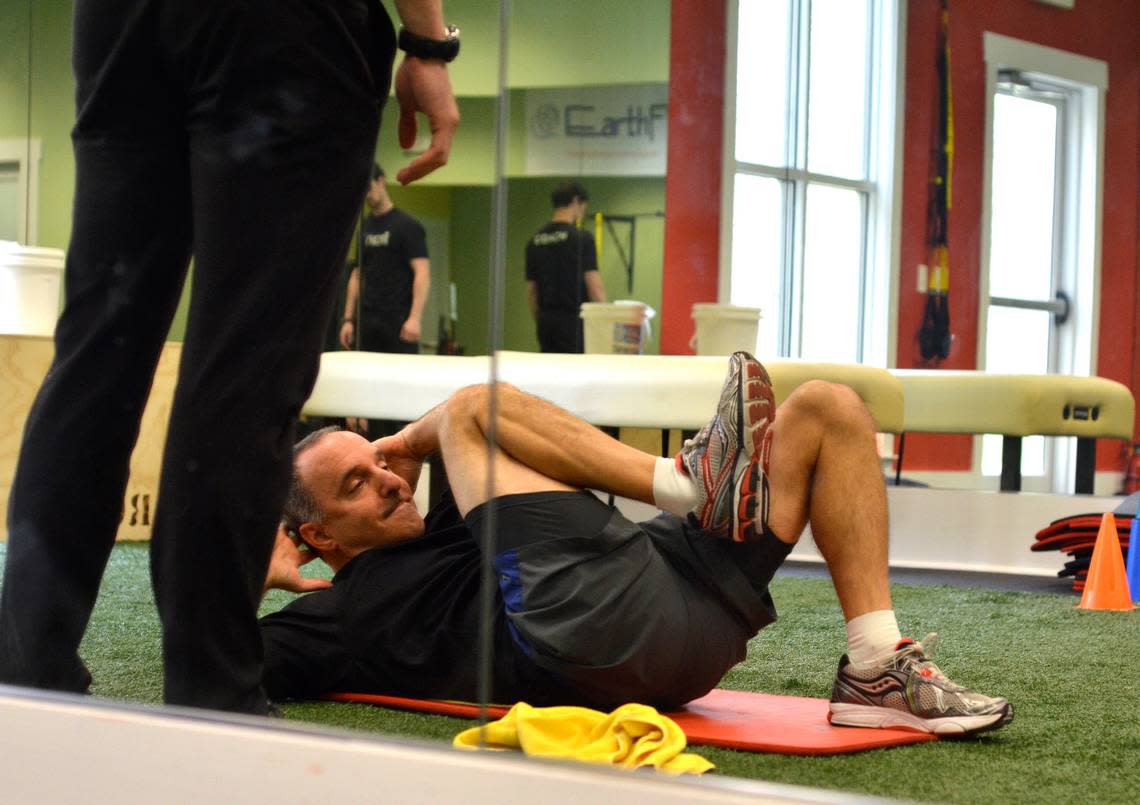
(753, 722)
(1074, 540)
(1083, 522)
(1069, 546)
(1076, 535)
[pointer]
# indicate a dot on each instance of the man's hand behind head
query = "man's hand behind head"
(285, 566)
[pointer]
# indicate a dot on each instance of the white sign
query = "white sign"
(597, 131)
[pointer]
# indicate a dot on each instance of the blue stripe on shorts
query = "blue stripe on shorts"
(506, 566)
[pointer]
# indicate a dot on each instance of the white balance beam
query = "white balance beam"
(1018, 405)
(650, 391)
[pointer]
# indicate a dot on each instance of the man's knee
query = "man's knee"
(472, 404)
(827, 404)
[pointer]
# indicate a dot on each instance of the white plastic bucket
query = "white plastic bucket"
(724, 329)
(30, 280)
(616, 328)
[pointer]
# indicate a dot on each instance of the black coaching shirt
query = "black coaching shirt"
(391, 241)
(557, 258)
(400, 620)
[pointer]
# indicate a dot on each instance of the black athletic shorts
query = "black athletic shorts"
(654, 612)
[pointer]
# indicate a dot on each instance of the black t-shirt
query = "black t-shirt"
(401, 620)
(391, 241)
(557, 258)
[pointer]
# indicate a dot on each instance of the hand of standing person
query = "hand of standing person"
(347, 334)
(410, 331)
(424, 85)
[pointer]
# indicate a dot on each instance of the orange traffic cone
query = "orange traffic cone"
(1107, 585)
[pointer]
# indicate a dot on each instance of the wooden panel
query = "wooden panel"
(146, 460)
(24, 360)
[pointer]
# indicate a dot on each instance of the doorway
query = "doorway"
(1039, 289)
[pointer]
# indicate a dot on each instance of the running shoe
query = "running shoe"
(750, 498)
(908, 691)
(719, 457)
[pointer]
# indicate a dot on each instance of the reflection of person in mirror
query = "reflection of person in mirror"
(239, 134)
(384, 303)
(393, 286)
(591, 608)
(562, 272)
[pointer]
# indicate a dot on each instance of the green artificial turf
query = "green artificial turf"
(1073, 676)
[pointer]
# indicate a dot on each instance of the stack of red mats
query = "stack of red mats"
(1076, 536)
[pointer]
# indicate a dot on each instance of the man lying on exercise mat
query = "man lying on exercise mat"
(591, 608)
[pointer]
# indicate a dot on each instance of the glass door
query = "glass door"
(1027, 317)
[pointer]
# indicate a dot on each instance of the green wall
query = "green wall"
(595, 42)
(14, 81)
(52, 105)
(559, 44)
(52, 116)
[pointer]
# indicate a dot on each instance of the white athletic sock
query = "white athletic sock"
(673, 490)
(871, 636)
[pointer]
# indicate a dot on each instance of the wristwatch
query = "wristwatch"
(421, 47)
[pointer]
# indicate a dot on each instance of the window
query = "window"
(809, 192)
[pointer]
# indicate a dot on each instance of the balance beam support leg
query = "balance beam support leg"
(1086, 465)
(1011, 464)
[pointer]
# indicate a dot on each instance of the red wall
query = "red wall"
(1103, 29)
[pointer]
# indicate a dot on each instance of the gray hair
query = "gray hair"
(300, 506)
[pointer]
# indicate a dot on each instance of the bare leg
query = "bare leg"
(825, 469)
(539, 447)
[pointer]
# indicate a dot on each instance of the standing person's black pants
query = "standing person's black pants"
(560, 331)
(240, 133)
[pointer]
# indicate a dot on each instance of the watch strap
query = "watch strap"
(422, 47)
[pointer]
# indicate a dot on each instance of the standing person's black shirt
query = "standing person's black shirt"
(390, 242)
(557, 259)
(402, 620)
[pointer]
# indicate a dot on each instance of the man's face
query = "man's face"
(365, 504)
(580, 204)
(376, 191)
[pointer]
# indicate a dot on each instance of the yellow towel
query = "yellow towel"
(632, 735)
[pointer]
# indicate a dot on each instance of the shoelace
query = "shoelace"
(918, 654)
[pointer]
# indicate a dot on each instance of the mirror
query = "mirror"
(560, 93)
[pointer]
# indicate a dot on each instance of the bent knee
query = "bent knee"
(474, 402)
(831, 404)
